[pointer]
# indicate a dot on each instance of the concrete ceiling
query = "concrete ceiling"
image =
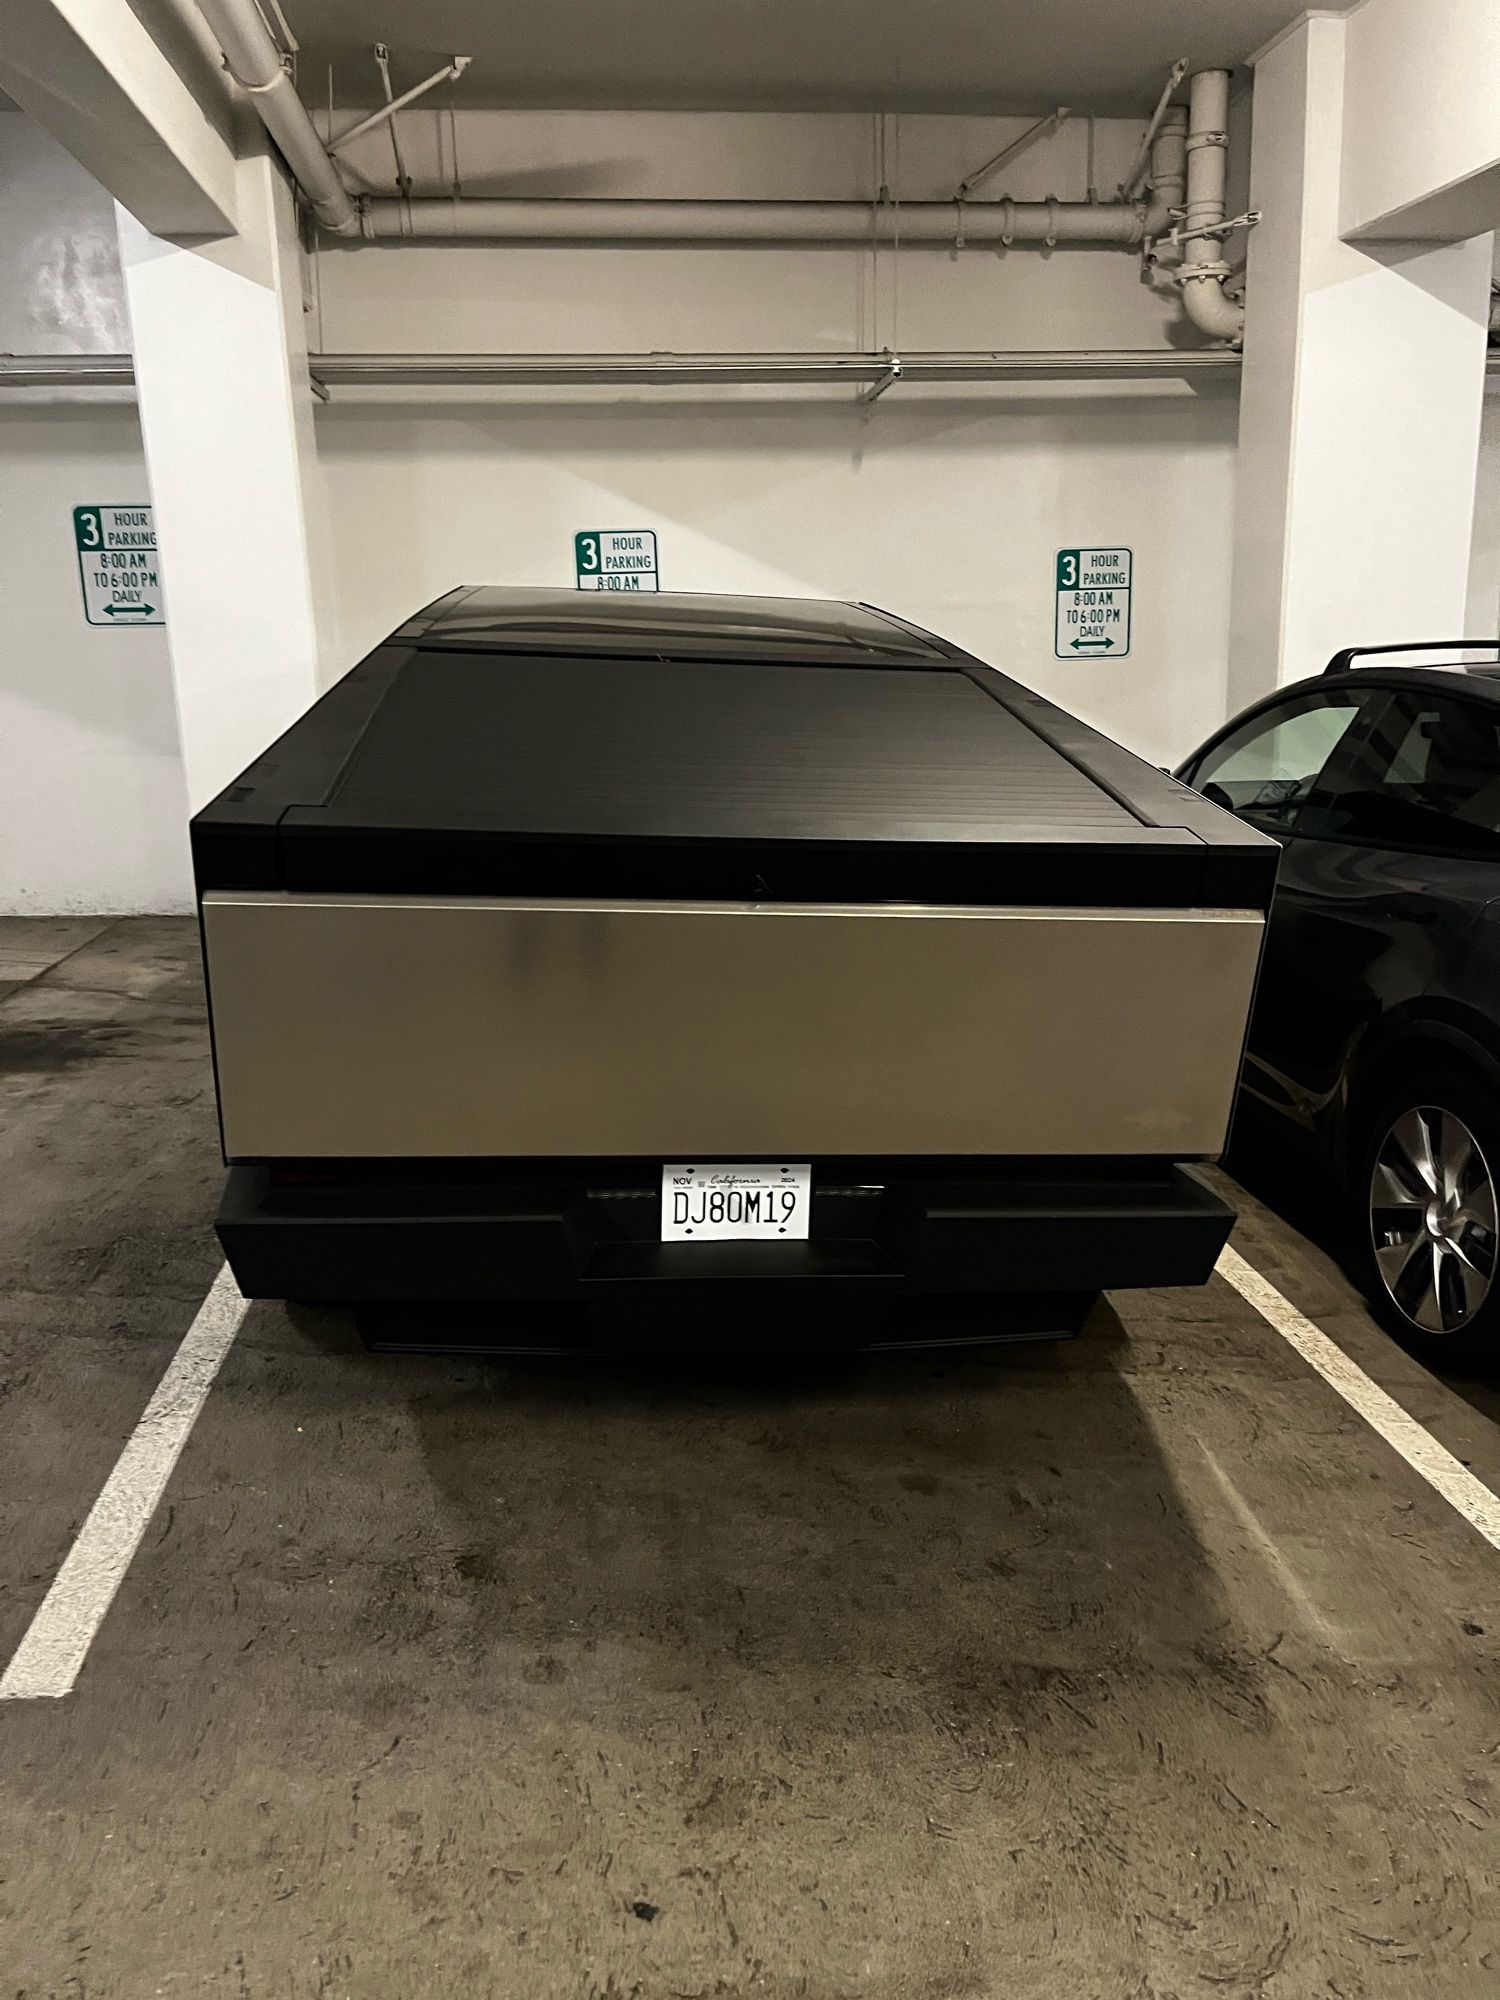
(977, 56)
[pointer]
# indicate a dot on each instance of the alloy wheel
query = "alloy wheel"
(1433, 1219)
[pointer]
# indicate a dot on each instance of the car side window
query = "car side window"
(1425, 775)
(1267, 769)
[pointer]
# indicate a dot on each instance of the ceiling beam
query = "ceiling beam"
(96, 80)
(1421, 125)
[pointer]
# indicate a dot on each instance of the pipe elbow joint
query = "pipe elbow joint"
(1158, 215)
(1204, 302)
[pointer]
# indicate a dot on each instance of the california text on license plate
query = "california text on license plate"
(750, 1203)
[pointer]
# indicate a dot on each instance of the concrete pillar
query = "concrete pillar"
(95, 79)
(226, 415)
(1361, 399)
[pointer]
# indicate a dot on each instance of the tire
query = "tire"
(1424, 1191)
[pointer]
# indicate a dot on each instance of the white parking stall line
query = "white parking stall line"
(48, 1660)
(1437, 1465)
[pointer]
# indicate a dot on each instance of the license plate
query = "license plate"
(705, 1204)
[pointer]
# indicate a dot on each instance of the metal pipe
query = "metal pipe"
(1208, 121)
(1168, 171)
(1204, 270)
(450, 71)
(847, 223)
(254, 61)
(28, 371)
(37, 371)
(67, 371)
(111, 371)
(648, 370)
(1132, 181)
(98, 371)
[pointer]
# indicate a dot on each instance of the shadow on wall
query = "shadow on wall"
(1132, 417)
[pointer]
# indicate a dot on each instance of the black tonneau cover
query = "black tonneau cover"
(530, 742)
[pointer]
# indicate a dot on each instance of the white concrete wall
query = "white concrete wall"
(1483, 619)
(92, 808)
(946, 506)
(93, 815)
(1360, 405)
(488, 297)
(949, 513)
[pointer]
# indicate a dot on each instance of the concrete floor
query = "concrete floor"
(1130, 1669)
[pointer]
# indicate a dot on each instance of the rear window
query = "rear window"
(1267, 769)
(1427, 775)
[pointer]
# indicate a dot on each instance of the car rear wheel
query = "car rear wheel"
(1431, 1240)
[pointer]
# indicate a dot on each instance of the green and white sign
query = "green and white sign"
(1093, 604)
(117, 565)
(616, 559)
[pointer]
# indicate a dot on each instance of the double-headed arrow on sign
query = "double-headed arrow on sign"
(128, 610)
(1093, 645)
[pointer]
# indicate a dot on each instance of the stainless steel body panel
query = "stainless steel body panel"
(351, 1026)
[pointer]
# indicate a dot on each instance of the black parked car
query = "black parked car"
(1375, 1037)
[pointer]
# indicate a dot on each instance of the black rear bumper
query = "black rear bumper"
(588, 1233)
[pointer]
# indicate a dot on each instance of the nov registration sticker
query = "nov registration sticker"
(752, 1203)
(117, 565)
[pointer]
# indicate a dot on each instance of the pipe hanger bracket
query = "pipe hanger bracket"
(890, 378)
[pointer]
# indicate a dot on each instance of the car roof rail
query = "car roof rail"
(1342, 661)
